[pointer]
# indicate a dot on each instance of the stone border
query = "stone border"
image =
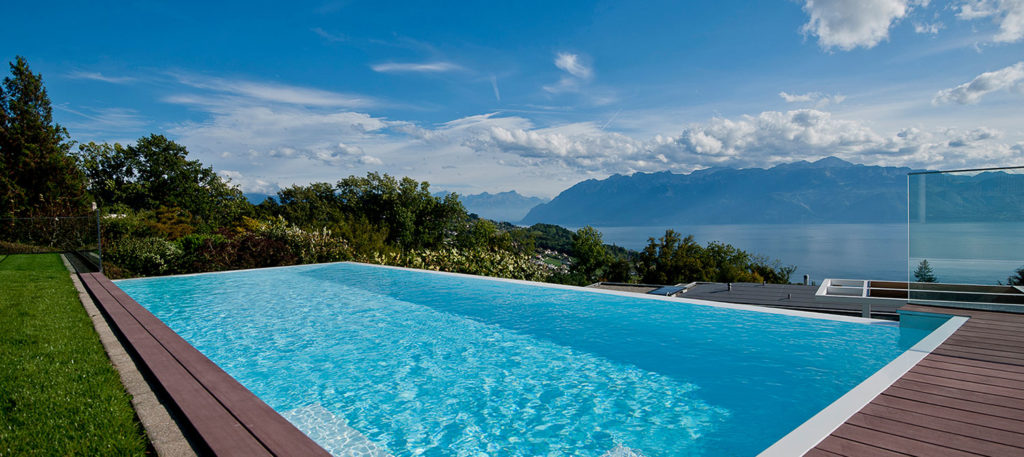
(162, 429)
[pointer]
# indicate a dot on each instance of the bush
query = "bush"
(500, 264)
(146, 256)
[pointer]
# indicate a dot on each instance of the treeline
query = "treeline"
(164, 213)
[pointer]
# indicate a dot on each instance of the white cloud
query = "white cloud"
(771, 137)
(428, 67)
(848, 24)
(576, 79)
(249, 184)
(331, 37)
(96, 76)
(100, 124)
(276, 93)
(818, 99)
(494, 85)
(1008, 14)
(571, 63)
(267, 144)
(928, 28)
(1009, 78)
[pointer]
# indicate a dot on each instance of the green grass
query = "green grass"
(59, 394)
(553, 261)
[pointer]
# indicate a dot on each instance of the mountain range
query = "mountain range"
(502, 206)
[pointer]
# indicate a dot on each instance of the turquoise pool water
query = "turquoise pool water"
(372, 360)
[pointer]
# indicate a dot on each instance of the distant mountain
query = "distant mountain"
(503, 206)
(827, 191)
(257, 198)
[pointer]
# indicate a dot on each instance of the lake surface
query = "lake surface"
(973, 253)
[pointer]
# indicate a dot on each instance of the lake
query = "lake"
(973, 253)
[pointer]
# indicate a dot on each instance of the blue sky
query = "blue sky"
(534, 96)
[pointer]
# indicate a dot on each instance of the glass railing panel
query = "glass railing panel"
(966, 229)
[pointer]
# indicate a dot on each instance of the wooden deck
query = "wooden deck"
(964, 399)
(225, 418)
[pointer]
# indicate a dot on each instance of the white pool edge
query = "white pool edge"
(805, 437)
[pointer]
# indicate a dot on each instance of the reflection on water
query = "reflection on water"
(979, 253)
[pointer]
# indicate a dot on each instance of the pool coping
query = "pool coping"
(813, 431)
(677, 300)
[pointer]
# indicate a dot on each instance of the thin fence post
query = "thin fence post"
(99, 236)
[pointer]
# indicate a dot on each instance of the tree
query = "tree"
(155, 172)
(413, 218)
(671, 259)
(38, 176)
(589, 254)
(1017, 278)
(924, 272)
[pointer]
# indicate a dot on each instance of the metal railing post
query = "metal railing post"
(99, 236)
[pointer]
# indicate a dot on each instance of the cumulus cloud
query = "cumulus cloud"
(1008, 14)
(846, 25)
(817, 99)
(1009, 78)
(775, 137)
(426, 67)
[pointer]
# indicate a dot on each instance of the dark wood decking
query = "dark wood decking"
(966, 398)
(224, 417)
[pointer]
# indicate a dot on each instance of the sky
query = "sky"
(533, 96)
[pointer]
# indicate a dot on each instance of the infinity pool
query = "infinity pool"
(378, 361)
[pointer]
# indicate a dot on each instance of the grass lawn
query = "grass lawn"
(59, 394)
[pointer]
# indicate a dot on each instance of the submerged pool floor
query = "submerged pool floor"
(371, 360)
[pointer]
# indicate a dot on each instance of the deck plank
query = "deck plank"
(992, 370)
(984, 379)
(963, 426)
(896, 443)
(842, 446)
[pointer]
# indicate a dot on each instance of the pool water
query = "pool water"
(372, 360)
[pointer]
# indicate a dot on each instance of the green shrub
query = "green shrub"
(146, 256)
(501, 264)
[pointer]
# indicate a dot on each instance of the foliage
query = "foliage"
(924, 272)
(59, 395)
(501, 264)
(148, 256)
(589, 255)
(552, 237)
(403, 210)
(255, 244)
(414, 218)
(155, 172)
(50, 234)
(672, 259)
(38, 176)
(1017, 278)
